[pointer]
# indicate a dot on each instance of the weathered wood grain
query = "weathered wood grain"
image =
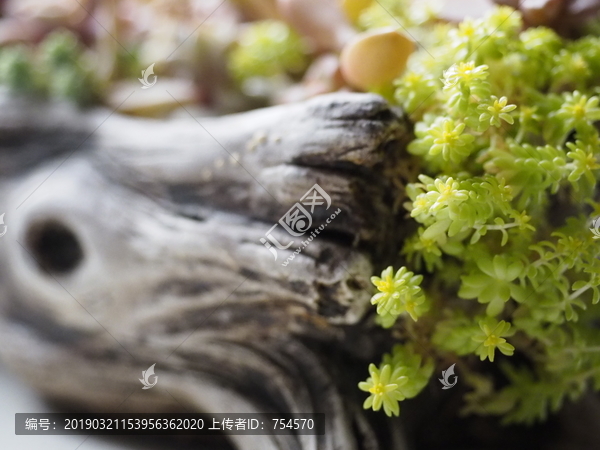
(132, 242)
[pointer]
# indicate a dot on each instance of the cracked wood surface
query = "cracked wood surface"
(132, 242)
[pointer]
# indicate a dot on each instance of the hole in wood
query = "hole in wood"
(55, 247)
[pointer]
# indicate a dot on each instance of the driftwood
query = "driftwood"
(134, 242)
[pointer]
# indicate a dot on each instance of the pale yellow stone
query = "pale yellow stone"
(167, 96)
(375, 58)
(354, 8)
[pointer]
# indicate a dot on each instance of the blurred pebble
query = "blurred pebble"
(375, 58)
(541, 12)
(354, 8)
(16, 30)
(258, 9)
(323, 76)
(56, 12)
(323, 22)
(153, 102)
(457, 10)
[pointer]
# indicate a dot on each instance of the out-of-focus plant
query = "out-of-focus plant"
(267, 49)
(57, 67)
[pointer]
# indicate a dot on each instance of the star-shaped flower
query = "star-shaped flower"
(496, 112)
(449, 140)
(578, 109)
(383, 385)
(399, 293)
(491, 338)
(464, 73)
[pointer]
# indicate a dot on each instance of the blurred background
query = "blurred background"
(219, 55)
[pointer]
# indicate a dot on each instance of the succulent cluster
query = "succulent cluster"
(266, 49)
(506, 141)
(398, 293)
(57, 67)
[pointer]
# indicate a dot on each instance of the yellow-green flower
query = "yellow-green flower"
(499, 110)
(464, 72)
(584, 163)
(383, 385)
(578, 109)
(491, 338)
(399, 293)
(449, 140)
(444, 193)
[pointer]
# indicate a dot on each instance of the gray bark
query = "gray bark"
(132, 242)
